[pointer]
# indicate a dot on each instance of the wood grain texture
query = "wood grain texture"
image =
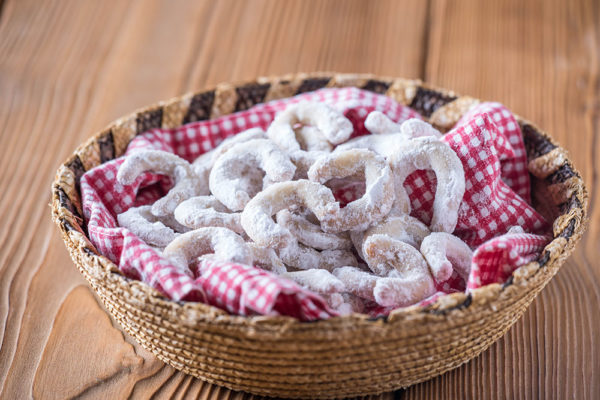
(67, 68)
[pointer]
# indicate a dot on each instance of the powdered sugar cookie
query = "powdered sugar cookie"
(425, 153)
(233, 178)
(357, 281)
(307, 131)
(207, 160)
(187, 183)
(257, 218)
(379, 194)
(310, 138)
(303, 160)
(400, 227)
(380, 124)
(387, 135)
(403, 291)
(332, 124)
(311, 234)
(444, 253)
(267, 259)
(225, 244)
(318, 280)
(148, 227)
(303, 257)
(384, 254)
(385, 144)
(206, 211)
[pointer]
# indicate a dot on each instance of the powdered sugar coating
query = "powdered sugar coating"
(242, 137)
(332, 124)
(303, 257)
(444, 253)
(352, 304)
(402, 291)
(377, 201)
(303, 160)
(425, 153)
(311, 234)
(187, 183)
(357, 238)
(233, 177)
(313, 145)
(334, 300)
(388, 136)
(317, 280)
(357, 281)
(385, 255)
(202, 166)
(401, 227)
(380, 124)
(320, 127)
(310, 139)
(384, 144)
(224, 243)
(145, 225)
(397, 289)
(204, 163)
(415, 127)
(407, 277)
(206, 211)
(267, 259)
(257, 218)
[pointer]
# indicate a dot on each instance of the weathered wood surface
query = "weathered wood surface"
(67, 68)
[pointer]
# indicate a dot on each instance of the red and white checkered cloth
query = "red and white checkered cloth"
(488, 143)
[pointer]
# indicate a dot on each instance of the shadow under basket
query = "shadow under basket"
(343, 356)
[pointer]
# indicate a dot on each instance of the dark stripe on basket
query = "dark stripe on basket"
(149, 120)
(78, 169)
(308, 85)
(67, 225)
(460, 306)
(200, 107)
(107, 147)
(535, 143)
(561, 175)
(568, 231)
(250, 95)
(89, 251)
(426, 101)
(376, 86)
(382, 318)
(66, 202)
(570, 204)
(544, 258)
(508, 282)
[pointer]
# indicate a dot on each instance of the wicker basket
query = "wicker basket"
(343, 356)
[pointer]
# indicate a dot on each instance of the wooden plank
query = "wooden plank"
(541, 59)
(69, 67)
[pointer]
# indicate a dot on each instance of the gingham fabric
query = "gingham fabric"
(491, 153)
(512, 172)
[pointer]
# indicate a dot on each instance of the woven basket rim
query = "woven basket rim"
(444, 305)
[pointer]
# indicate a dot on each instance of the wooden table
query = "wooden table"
(67, 68)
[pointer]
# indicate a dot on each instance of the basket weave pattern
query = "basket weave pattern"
(344, 356)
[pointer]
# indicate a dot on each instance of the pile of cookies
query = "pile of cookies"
(267, 199)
